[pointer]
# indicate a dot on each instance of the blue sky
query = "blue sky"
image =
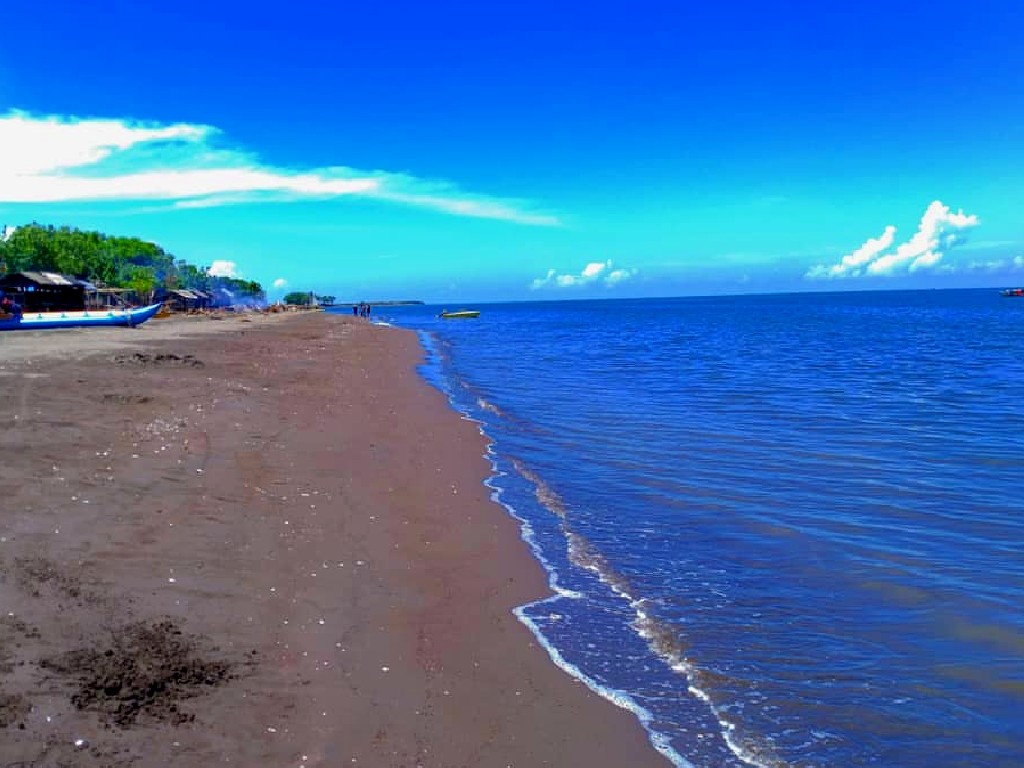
(479, 152)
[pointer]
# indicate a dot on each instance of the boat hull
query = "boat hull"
(42, 321)
(460, 315)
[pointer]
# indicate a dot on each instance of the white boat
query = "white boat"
(461, 314)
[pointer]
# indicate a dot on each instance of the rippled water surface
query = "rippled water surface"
(786, 530)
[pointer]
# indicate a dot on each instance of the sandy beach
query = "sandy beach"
(264, 541)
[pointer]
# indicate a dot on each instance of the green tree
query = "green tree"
(142, 281)
(125, 262)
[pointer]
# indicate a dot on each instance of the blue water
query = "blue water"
(784, 530)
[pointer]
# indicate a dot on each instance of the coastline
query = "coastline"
(288, 502)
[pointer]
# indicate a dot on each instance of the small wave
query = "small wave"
(488, 407)
(661, 638)
(619, 698)
(526, 530)
(547, 497)
(583, 555)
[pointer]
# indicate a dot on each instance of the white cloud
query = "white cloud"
(996, 265)
(939, 232)
(616, 276)
(66, 159)
(853, 262)
(596, 272)
(222, 268)
(991, 266)
(280, 283)
(441, 197)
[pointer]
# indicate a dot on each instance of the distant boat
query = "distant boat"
(1014, 292)
(462, 314)
(40, 321)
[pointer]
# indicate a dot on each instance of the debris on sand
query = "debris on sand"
(12, 709)
(146, 671)
(145, 359)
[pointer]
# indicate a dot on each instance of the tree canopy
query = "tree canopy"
(117, 262)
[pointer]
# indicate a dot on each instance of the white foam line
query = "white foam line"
(619, 698)
(681, 666)
(526, 532)
(659, 740)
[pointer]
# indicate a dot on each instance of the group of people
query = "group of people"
(9, 307)
(362, 309)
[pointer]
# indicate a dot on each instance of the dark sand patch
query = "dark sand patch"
(146, 671)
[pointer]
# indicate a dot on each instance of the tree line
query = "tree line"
(115, 262)
(306, 298)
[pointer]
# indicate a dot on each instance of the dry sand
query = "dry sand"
(264, 541)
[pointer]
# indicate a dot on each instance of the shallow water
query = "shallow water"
(786, 530)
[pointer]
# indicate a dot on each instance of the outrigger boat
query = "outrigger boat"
(39, 321)
(462, 314)
(1013, 292)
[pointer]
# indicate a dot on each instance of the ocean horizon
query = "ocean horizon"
(784, 529)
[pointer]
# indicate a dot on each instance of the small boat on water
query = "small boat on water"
(461, 314)
(40, 321)
(1013, 292)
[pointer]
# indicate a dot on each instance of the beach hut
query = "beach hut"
(44, 291)
(183, 299)
(99, 296)
(204, 299)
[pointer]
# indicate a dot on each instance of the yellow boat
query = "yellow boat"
(462, 314)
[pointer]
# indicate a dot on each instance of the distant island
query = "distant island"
(383, 303)
(311, 298)
(391, 303)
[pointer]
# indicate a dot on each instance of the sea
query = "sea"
(783, 530)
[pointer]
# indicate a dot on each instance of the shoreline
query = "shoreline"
(272, 488)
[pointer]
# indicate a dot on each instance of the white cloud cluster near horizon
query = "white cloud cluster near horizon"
(596, 272)
(994, 266)
(60, 159)
(224, 268)
(939, 232)
(280, 283)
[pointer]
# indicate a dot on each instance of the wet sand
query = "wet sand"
(264, 541)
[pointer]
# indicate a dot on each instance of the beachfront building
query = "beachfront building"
(184, 299)
(44, 291)
(101, 297)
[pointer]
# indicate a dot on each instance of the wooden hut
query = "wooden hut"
(102, 297)
(183, 299)
(44, 291)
